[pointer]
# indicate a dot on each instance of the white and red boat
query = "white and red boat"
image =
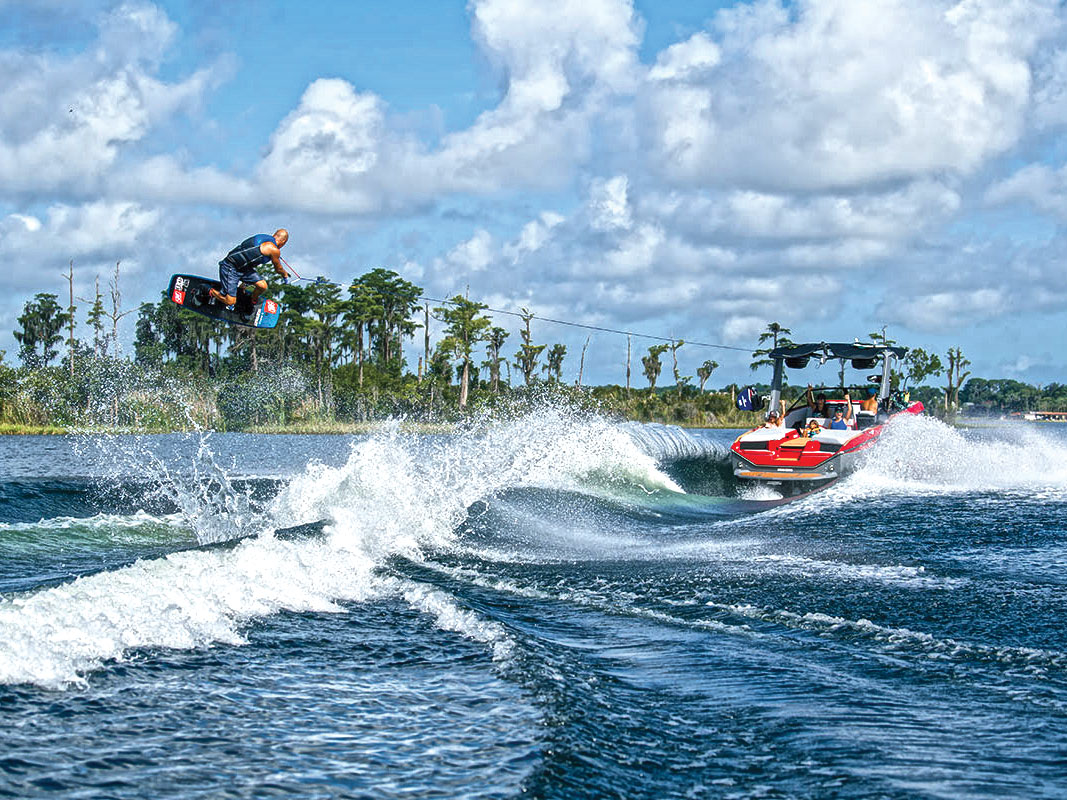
(803, 453)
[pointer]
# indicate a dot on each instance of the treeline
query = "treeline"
(1004, 396)
(338, 354)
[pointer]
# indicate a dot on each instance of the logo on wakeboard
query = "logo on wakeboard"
(178, 296)
(270, 307)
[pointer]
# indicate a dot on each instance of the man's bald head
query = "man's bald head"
(281, 236)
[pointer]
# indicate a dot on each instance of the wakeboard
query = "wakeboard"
(191, 292)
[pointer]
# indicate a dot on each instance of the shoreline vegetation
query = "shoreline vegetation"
(340, 364)
(341, 428)
(120, 397)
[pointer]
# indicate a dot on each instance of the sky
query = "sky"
(681, 169)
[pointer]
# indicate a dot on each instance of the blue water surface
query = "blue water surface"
(565, 608)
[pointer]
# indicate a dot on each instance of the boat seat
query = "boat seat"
(838, 437)
(865, 419)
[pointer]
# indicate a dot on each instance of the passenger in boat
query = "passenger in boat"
(774, 420)
(841, 420)
(816, 404)
(870, 403)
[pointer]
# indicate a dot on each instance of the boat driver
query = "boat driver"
(870, 403)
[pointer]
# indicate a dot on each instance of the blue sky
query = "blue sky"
(682, 169)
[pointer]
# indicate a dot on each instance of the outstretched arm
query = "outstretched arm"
(275, 255)
(848, 406)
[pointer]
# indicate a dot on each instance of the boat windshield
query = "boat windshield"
(834, 395)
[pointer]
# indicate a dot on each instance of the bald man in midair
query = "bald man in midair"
(240, 264)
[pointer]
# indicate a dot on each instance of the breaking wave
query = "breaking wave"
(397, 494)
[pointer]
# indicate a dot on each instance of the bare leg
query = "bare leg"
(257, 292)
(226, 299)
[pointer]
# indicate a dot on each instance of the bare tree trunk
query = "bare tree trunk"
(70, 310)
(674, 359)
(318, 369)
(463, 384)
(426, 339)
(581, 363)
(116, 301)
(116, 314)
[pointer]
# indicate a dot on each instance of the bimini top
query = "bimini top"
(836, 350)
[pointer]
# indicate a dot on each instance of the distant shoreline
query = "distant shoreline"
(333, 428)
(292, 429)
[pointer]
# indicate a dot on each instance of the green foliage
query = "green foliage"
(955, 378)
(554, 367)
(465, 326)
(679, 379)
(881, 339)
(528, 354)
(95, 318)
(494, 340)
(652, 365)
(8, 389)
(921, 365)
(1006, 395)
(336, 359)
(778, 336)
(147, 344)
(40, 324)
(396, 301)
(704, 372)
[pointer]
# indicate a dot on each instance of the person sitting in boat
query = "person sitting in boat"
(842, 417)
(816, 404)
(870, 403)
(774, 420)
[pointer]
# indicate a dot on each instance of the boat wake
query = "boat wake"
(549, 486)
(396, 495)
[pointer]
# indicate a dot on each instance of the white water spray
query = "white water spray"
(397, 494)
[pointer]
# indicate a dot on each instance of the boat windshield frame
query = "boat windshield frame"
(836, 351)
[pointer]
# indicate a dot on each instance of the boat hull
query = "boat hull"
(792, 480)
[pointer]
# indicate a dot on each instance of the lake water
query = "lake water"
(554, 607)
